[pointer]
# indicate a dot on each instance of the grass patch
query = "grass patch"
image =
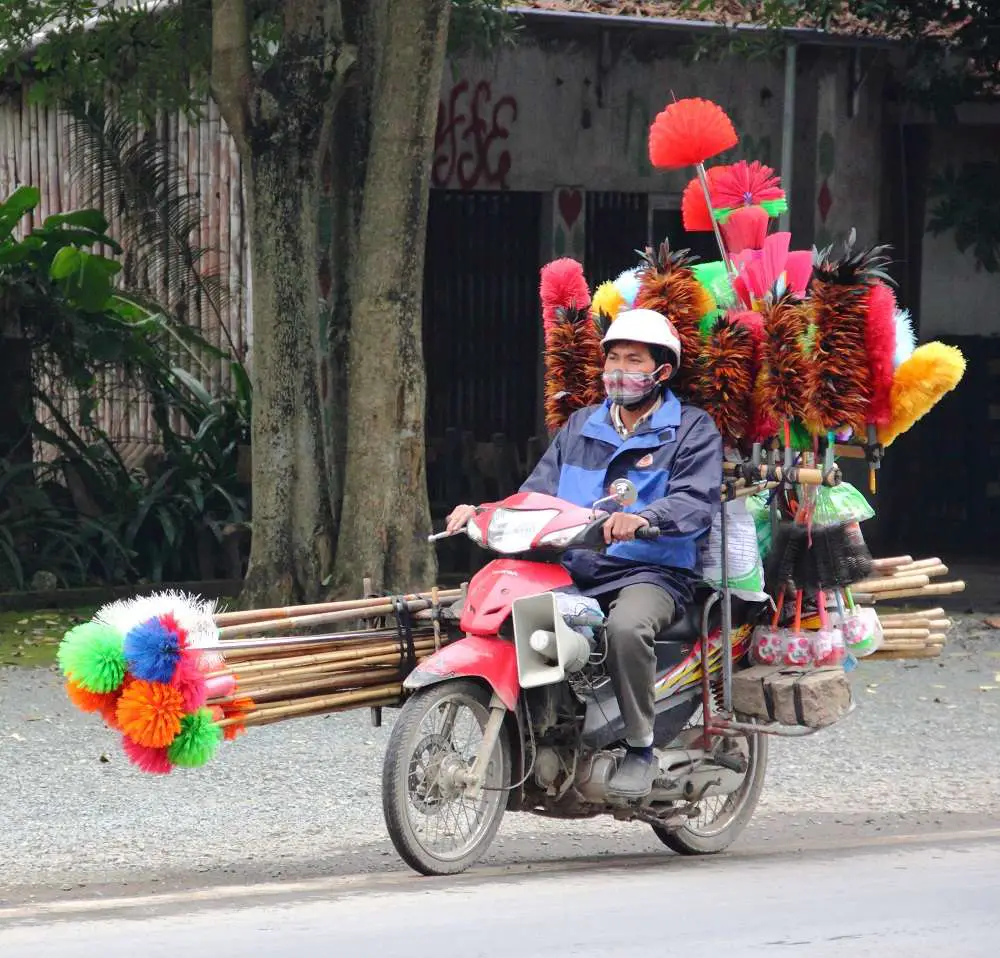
(30, 639)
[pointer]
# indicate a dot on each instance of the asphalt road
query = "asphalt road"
(889, 899)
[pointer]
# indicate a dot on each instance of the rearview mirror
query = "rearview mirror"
(624, 492)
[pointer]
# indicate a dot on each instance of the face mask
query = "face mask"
(630, 389)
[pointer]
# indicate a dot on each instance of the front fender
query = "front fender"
(492, 660)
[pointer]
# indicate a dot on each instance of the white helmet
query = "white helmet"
(644, 326)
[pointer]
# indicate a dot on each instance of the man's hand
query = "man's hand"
(621, 527)
(460, 515)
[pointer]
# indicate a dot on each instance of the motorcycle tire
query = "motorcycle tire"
(689, 840)
(399, 774)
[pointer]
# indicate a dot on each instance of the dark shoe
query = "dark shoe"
(635, 776)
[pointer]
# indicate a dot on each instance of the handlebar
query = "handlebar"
(648, 532)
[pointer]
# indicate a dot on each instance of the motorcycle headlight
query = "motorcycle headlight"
(513, 530)
(562, 537)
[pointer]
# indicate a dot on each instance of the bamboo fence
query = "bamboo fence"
(35, 145)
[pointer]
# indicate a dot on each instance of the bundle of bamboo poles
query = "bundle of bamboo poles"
(276, 677)
(909, 635)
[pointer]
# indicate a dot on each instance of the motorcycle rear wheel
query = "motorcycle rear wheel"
(712, 837)
(417, 778)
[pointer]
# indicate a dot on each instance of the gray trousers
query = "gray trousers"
(635, 617)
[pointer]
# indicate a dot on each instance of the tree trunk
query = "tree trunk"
(385, 516)
(360, 78)
(292, 549)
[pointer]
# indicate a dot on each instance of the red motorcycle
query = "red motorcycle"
(519, 713)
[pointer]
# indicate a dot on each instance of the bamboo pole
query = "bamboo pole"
(324, 618)
(916, 564)
(313, 705)
(346, 655)
(941, 588)
(331, 683)
(251, 680)
(909, 616)
(893, 634)
(893, 562)
(891, 584)
(321, 608)
(261, 647)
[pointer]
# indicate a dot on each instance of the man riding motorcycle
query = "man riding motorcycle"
(672, 452)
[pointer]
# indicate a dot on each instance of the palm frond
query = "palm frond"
(123, 168)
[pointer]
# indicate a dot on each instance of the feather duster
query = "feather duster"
(688, 132)
(668, 286)
(573, 362)
(745, 229)
(724, 378)
(798, 271)
(607, 299)
(933, 370)
(694, 208)
(781, 390)
(761, 424)
(747, 184)
(880, 343)
(562, 287)
(627, 284)
(838, 381)
(906, 340)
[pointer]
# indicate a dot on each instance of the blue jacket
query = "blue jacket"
(675, 461)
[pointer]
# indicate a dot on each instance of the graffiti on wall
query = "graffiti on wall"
(472, 128)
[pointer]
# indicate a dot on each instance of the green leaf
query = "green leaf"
(92, 220)
(66, 262)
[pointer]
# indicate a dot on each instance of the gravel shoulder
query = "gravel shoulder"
(302, 798)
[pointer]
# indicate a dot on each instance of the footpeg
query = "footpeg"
(735, 763)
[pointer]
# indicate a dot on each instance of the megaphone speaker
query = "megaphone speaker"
(547, 649)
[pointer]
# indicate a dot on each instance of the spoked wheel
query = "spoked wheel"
(722, 818)
(436, 827)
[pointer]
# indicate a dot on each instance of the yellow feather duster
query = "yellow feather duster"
(607, 299)
(919, 384)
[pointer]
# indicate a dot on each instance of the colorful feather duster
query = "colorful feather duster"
(668, 285)
(723, 379)
(781, 387)
(562, 287)
(880, 343)
(688, 132)
(746, 184)
(933, 370)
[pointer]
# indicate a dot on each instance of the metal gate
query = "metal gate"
(482, 326)
(616, 228)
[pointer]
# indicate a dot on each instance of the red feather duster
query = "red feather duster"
(724, 378)
(880, 342)
(688, 132)
(694, 209)
(746, 228)
(563, 286)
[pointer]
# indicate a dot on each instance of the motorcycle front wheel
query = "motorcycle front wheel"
(722, 818)
(436, 828)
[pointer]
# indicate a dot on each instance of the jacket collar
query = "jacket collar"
(647, 435)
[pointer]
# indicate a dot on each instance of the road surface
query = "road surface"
(894, 898)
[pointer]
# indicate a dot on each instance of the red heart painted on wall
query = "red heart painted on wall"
(570, 206)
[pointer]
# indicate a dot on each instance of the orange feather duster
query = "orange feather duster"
(724, 378)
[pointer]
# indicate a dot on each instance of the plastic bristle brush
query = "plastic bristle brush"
(562, 286)
(195, 615)
(745, 229)
(688, 132)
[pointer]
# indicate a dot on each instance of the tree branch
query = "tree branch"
(232, 73)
